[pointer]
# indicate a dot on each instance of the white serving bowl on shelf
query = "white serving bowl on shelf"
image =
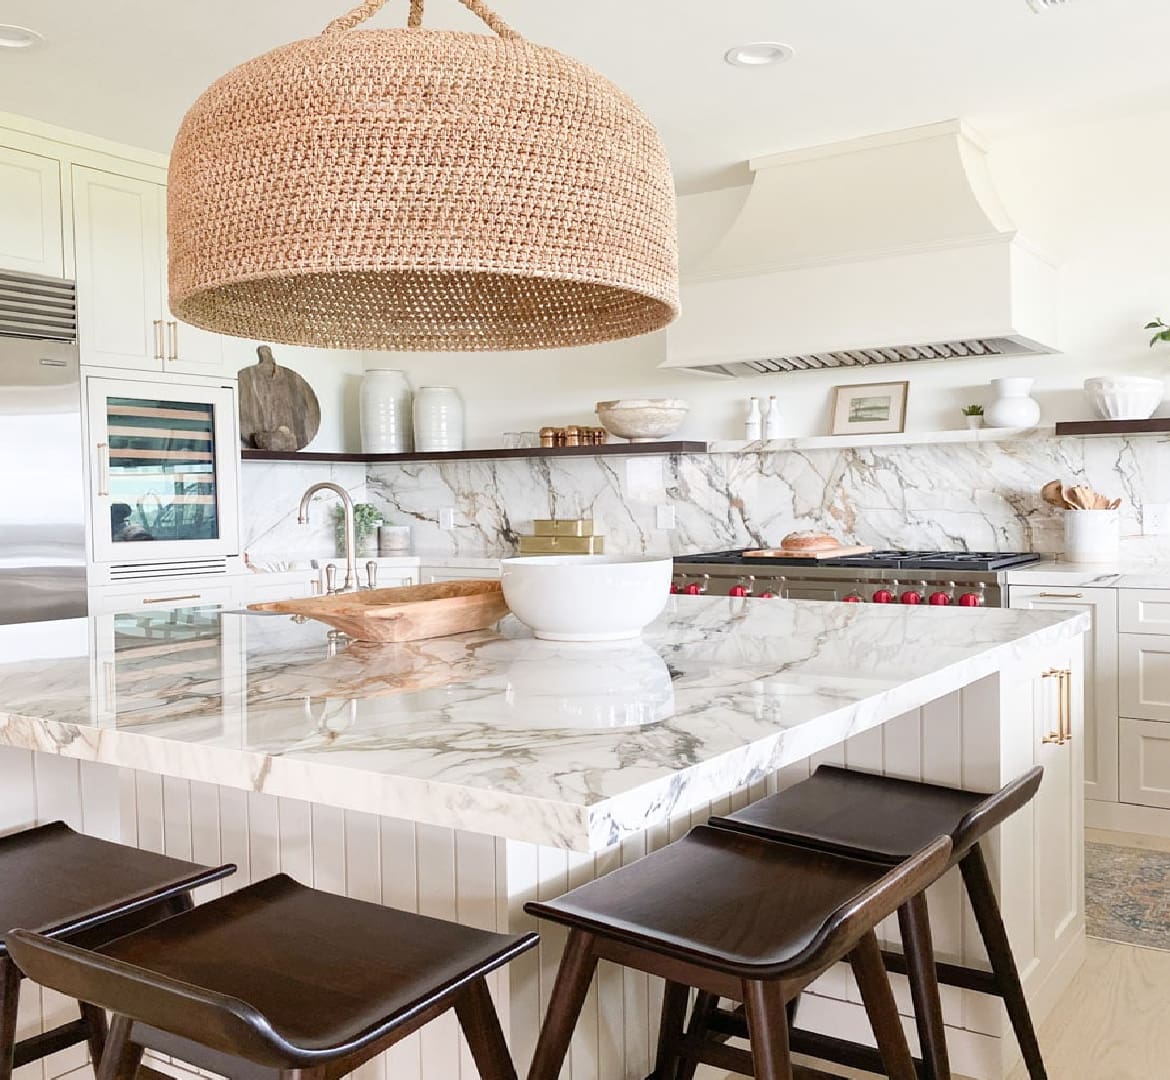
(586, 597)
(642, 419)
(1125, 397)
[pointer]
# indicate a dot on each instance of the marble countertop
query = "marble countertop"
(1121, 575)
(494, 732)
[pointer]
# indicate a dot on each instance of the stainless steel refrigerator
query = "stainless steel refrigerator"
(42, 492)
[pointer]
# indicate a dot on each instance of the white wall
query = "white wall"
(1092, 193)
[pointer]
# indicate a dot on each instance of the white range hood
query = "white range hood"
(887, 249)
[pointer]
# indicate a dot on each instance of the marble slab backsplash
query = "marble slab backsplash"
(972, 496)
(270, 495)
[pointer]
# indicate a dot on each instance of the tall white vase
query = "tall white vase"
(1012, 406)
(385, 412)
(438, 419)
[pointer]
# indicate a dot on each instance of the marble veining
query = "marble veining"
(494, 732)
(970, 495)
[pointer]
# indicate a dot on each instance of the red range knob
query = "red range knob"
(912, 598)
(852, 598)
(767, 595)
(970, 599)
(884, 596)
(940, 599)
(738, 590)
(692, 590)
(674, 588)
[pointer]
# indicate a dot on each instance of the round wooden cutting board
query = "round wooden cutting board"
(272, 397)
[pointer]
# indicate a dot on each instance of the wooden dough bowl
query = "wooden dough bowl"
(405, 613)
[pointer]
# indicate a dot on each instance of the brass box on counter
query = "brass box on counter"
(563, 527)
(562, 545)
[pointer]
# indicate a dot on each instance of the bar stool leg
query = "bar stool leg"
(9, 1000)
(768, 1029)
(578, 964)
(981, 893)
(670, 1032)
(481, 1025)
(122, 1057)
(878, 998)
(918, 945)
(705, 1005)
(96, 1031)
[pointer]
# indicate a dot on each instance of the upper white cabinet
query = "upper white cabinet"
(1101, 668)
(120, 235)
(31, 229)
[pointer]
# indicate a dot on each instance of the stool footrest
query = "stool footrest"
(966, 978)
(49, 1042)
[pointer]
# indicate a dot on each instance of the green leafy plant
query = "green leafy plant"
(972, 410)
(366, 519)
(1163, 331)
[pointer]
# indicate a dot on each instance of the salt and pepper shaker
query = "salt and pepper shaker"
(330, 578)
(751, 424)
(371, 575)
(772, 419)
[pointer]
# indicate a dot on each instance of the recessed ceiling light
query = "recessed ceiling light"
(18, 37)
(758, 53)
(1041, 6)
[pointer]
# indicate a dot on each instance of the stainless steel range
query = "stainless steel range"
(940, 578)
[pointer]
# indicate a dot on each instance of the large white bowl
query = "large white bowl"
(642, 419)
(586, 597)
(1125, 397)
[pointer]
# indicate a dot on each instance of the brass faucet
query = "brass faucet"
(351, 581)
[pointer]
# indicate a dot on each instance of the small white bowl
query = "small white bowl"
(1125, 397)
(586, 597)
(642, 419)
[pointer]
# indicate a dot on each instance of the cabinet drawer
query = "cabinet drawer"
(1144, 683)
(1144, 611)
(160, 595)
(1145, 763)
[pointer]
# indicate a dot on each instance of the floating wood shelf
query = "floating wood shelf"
(1158, 426)
(605, 450)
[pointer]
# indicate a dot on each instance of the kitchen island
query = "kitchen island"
(462, 776)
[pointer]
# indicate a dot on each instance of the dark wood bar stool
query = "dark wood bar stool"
(75, 888)
(741, 918)
(280, 980)
(884, 819)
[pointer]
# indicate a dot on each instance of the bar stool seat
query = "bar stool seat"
(81, 889)
(883, 819)
(279, 977)
(744, 918)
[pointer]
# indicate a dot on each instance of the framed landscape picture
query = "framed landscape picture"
(870, 408)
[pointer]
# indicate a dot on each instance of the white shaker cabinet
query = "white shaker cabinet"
(120, 235)
(1101, 677)
(31, 239)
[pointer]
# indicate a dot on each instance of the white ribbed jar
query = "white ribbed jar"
(438, 419)
(385, 412)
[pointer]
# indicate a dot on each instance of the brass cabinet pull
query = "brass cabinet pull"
(159, 352)
(169, 599)
(1060, 596)
(173, 335)
(1063, 733)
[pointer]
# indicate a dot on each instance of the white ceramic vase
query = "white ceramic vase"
(385, 412)
(1012, 406)
(438, 419)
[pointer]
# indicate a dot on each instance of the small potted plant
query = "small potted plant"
(1162, 332)
(974, 415)
(366, 519)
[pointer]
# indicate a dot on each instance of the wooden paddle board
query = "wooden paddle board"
(784, 553)
(272, 397)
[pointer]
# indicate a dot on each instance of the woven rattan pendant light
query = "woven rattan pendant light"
(420, 189)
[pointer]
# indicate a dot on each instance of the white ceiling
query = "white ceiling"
(127, 69)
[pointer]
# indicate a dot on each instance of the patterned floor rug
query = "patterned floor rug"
(1127, 895)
